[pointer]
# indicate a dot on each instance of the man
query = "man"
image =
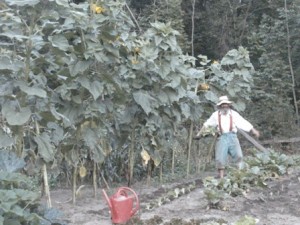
(227, 122)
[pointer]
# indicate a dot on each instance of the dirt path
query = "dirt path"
(279, 204)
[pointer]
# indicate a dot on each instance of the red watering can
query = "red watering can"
(121, 204)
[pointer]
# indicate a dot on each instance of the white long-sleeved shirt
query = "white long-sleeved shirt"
(237, 122)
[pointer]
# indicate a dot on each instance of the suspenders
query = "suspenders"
(219, 120)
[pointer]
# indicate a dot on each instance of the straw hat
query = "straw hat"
(223, 100)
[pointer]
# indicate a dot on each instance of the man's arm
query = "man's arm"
(210, 122)
(255, 132)
(245, 125)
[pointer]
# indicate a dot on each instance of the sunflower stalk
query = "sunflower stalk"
(44, 173)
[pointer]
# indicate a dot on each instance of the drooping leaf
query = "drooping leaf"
(144, 100)
(209, 95)
(60, 41)
(94, 87)
(157, 158)
(79, 67)
(45, 147)
(56, 131)
(91, 138)
(32, 90)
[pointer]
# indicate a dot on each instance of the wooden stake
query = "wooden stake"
(74, 185)
(95, 179)
(46, 185)
(44, 173)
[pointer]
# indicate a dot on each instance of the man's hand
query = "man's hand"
(255, 132)
(198, 135)
(200, 132)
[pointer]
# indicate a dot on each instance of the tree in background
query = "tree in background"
(165, 11)
(273, 78)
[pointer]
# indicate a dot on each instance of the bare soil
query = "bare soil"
(279, 204)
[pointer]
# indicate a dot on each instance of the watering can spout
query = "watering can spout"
(107, 199)
(123, 204)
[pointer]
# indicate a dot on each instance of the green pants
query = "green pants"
(228, 144)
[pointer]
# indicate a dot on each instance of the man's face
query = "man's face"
(224, 108)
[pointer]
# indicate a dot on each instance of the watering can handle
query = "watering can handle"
(137, 206)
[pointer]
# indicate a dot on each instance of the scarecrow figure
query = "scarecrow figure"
(227, 121)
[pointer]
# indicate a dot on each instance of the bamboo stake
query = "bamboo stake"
(46, 185)
(44, 173)
(189, 148)
(131, 156)
(161, 173)
(192, 123)
(199, 157)
(210, 152)
(95, 179)
(149, 171)
(74, 185)
(173, 159)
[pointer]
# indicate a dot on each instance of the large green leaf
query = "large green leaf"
(79, 67)
(144, 100)
(185, 109)
(7, 64)
(94, 87)
(6, 88)
(15, 115)
(149, 53)
(22, 2)
(9, 178)
(91, 138)
(32, 90)
(45, 147)
(60, 41)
